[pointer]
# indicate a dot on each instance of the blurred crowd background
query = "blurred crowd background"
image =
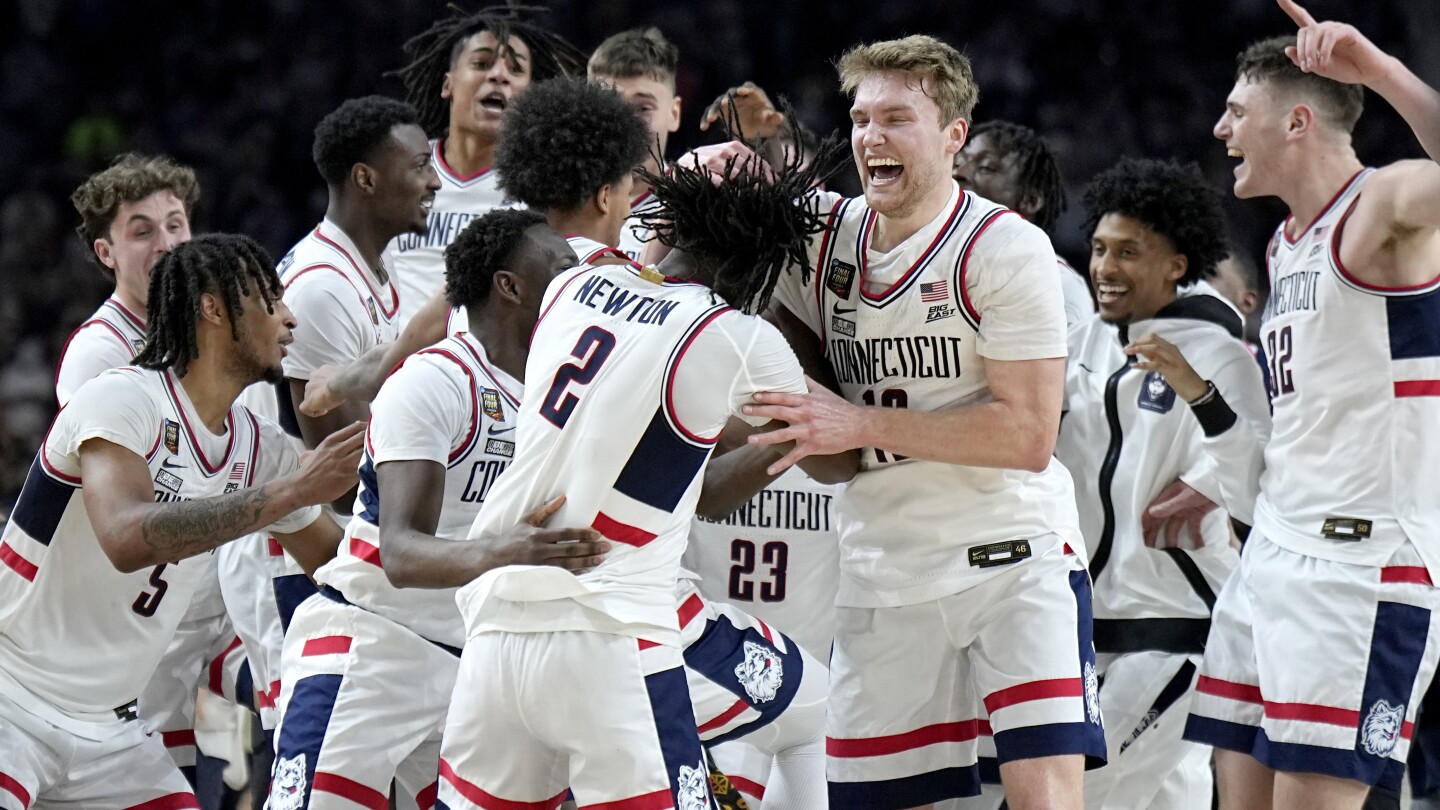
(235, 87)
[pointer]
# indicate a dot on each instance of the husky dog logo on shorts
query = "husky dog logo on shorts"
(1381, 729)
(690, 793)
(287, 787)
(1092, 693)
(761, 673)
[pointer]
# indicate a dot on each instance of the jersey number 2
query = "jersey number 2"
(775, 554)
(591, 350)
(147, 602)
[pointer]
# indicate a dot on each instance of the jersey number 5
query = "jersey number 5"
(147, 603)
(593, 347)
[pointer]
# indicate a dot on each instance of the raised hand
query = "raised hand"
(1334, 50)
(745, 111)
(1158, 354)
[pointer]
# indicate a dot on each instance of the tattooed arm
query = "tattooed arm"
(136, 532)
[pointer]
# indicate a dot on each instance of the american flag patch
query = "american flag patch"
(935, 291)
(237, 471)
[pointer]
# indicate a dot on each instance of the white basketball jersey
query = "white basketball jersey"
(418, 260)
(448, 404)
(108, 339)
(777, 557)
(634, 234)
(908, 329)
(78, 639)
(630, 379)
(1355, 385)
(588, 251)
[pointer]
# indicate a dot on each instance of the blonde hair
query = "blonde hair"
(944, 72)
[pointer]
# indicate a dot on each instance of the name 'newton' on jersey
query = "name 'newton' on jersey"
(910, 328)
(1355, 384)
(447, 404)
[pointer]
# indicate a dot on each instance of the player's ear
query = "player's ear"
(604, 198)
(445, 91)
(506, 284)
(1300, 121)
(674, 116)
(105, 252)
(212, 310)
(1029, 205)
(1179, 263)
(955, 134)
(363, 177)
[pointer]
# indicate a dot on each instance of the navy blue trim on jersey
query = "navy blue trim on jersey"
(42, 503)
(1414, 323)
(369, 495)
(907, 791)
(245, 687)
(721, 649)
(905, 282)
(662, 466)
(675, 728)
(290, 591)
(307, 718)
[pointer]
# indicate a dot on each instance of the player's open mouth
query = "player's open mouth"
(494, 102)
(1236, 153)
(883, 170)
(1108, 293)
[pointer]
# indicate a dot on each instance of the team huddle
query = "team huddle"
(545, 471)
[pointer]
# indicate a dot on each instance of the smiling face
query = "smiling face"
(982, 167)
(1253, 128)
(1133, 269)
(405, 180)
(140, 234)
(263, 337)
(904, 152)
(484, 77)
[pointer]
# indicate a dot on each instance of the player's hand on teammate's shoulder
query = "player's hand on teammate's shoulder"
(1155, 353)
(820, 423)
(745, 112)
(532, 543)
(331, 469)
(723, 160)
(320, 395)
(1334, 50)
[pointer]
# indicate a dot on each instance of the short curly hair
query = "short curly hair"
(1170, 199)
(131, 178)
(351, 133)
(1265, 62)
(484, 248)
(565, 138)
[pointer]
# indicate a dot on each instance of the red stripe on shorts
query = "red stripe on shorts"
(1416, 574)
(963, 731)
(266, 699)
(621, 532)
(365, 551)
(175, 739)
(1312, 713)
(690, 608)
(350, 789)
(659, 800)
(747, 786)
(1243, 692)
(1035, 690)
(326, 645)
(18, 564)
(724, 717)
(276, 550)
(1417, 388)
(175, 801)
(10, 783)
(475, 795)
(217, 669)
(425, 799)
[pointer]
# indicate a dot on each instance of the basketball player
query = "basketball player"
(1344, 543)
(440, 432)
(144, 469)
(1127, 434)
(132, 213)
(641, 64)
(614, 343)
(464, 73)
(941, 316)
(1012, 165)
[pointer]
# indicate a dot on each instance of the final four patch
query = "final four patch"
(490, 404)
(841, 278)
(172, 436)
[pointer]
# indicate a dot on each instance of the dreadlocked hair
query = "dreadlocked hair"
(1039, 176)
(228, 265)
(748, 228)
(433, 51)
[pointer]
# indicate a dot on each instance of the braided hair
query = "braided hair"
(433, 51)
(750, 227)
(228, 265)
(1039, 177)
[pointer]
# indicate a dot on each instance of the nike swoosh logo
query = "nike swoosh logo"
(168, 463)
(495, 432)
(841, 311)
